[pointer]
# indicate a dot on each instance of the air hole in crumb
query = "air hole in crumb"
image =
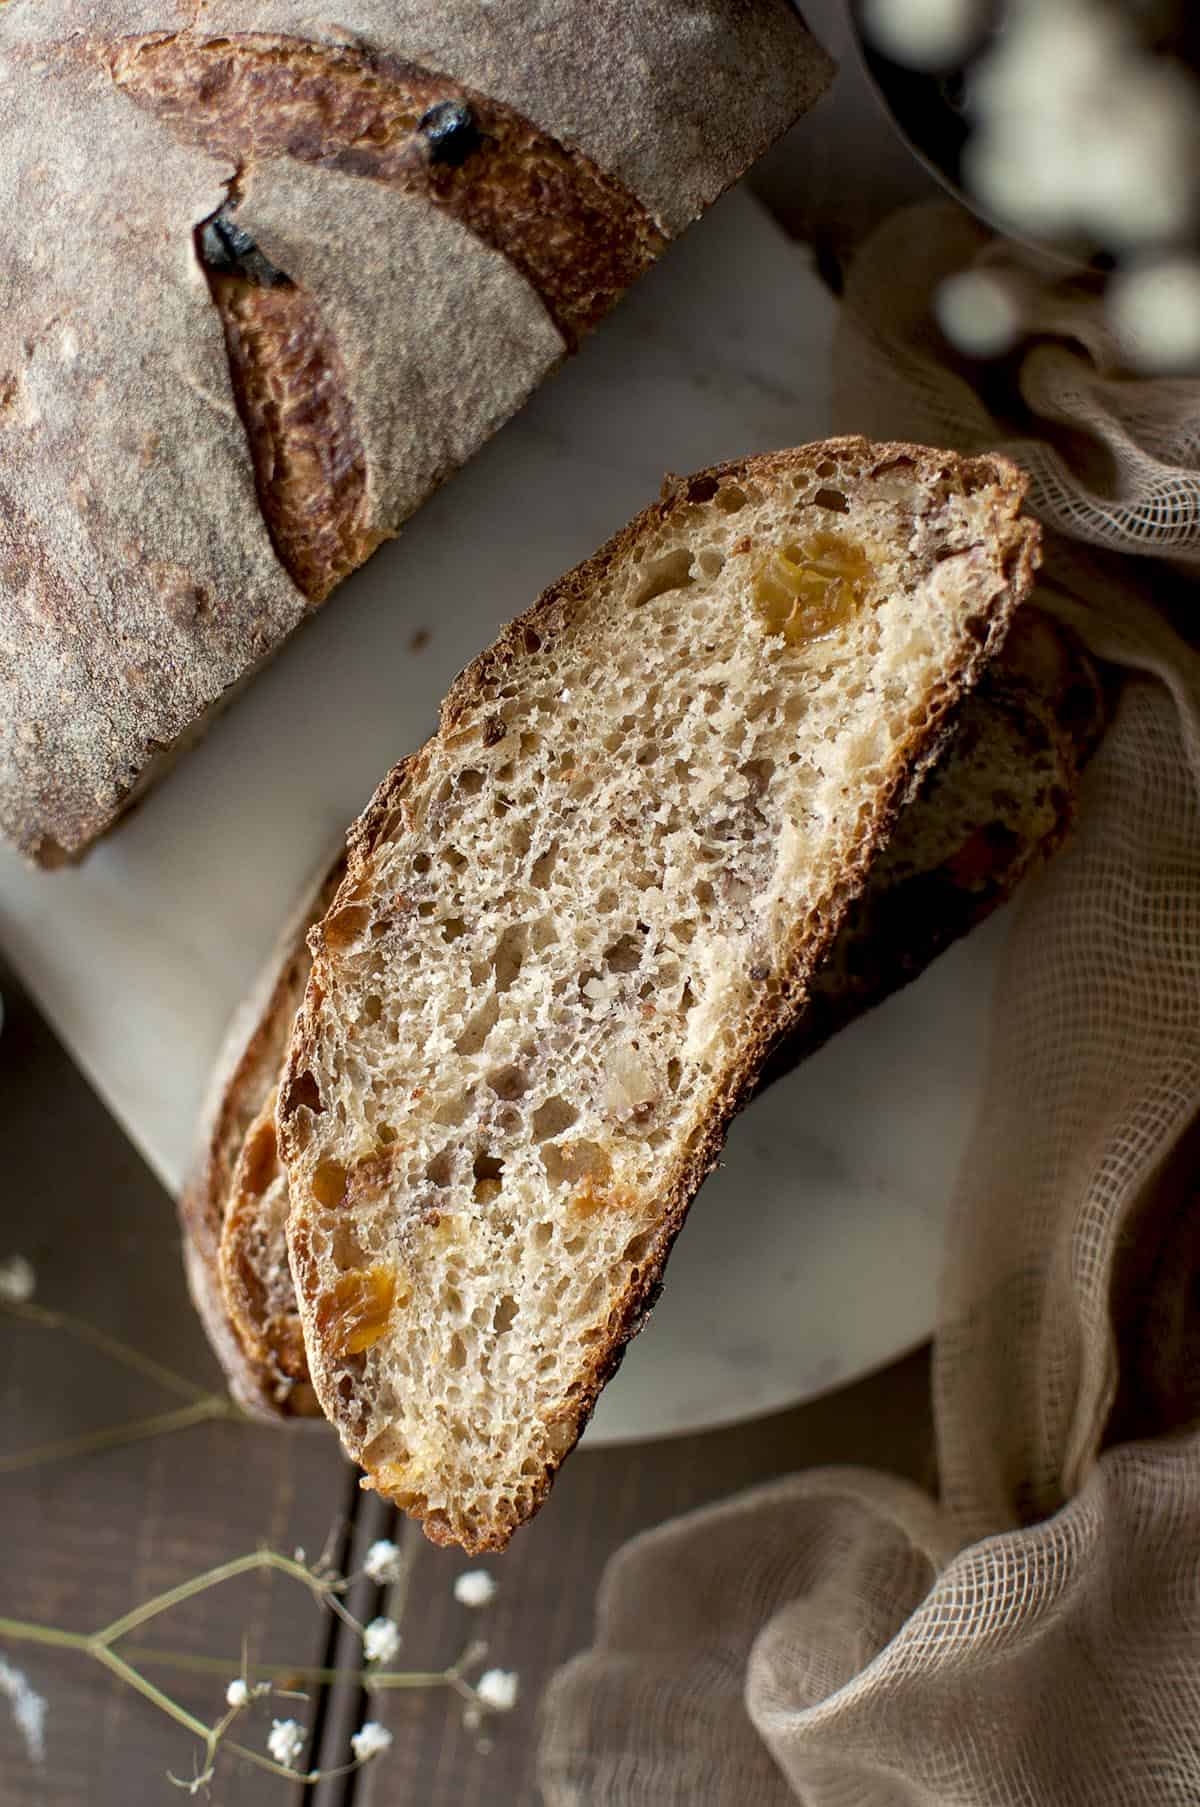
(372, 1007)
(347, 1251)
(543, 866)
(440, 1171)
(329, 1183)
(607, 902)
(593, 1296)
(505, 1314)
(304, 1093)
(542, 1234)
(759, 773)
(453, 928)
(582, 1164)
(673, 571)
(711, 562)
(422, 863)
(575, 1246)
(479, 1028)
(625, 955)
(385, 1134)
(471, 781)
(705, 896)
(688, 998)
(636, 1247)
(489, 1178)
(508, 1082)
(552, 1117)
(452, 1111)
(453, 858)
(510, 952)
(833, 500)
(385, 1448)
(543, 934)
(674, 1073)
(730, 498)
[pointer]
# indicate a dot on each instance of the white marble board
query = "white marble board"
(811, 1256)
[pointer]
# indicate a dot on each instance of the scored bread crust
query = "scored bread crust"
(1041, 696)
(244, 1076)
(1012, 556)
(185, 478)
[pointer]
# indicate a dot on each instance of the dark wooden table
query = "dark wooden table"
(86, 1538)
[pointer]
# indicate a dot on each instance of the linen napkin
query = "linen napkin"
(838, 1638)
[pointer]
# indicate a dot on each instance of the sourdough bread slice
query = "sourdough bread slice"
(576, 922)
(1001, 797)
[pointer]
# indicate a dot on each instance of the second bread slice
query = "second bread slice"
(576, 922)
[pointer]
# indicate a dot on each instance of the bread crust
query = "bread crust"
(245, 1073)
(153, 548)
(1016, 543)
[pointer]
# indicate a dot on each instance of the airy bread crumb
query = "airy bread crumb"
(575, 923)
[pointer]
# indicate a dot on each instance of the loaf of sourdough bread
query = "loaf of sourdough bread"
(1001, 797)
(291, 267)
(575, 924)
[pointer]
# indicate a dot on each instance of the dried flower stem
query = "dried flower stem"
(108, 1345)
(210, 1409)
(324, 1587)
(204, 1406)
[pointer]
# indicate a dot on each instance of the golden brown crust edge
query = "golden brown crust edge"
(1018, 554)
(245, 1072)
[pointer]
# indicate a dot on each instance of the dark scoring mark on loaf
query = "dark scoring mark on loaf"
(574, 232)
(290, 387)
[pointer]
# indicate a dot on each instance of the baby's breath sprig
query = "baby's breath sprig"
(386, 1563)
(285, 1742)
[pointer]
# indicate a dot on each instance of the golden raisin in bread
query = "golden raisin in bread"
(575, 923)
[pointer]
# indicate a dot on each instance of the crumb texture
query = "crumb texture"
(574, 924)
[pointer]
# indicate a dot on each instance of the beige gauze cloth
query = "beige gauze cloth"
(838, 1638)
